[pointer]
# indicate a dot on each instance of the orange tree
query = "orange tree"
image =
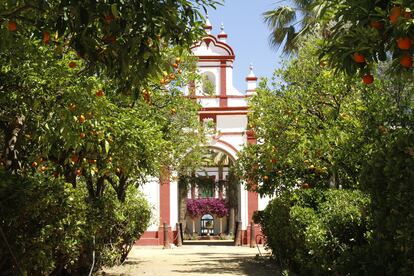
(362, 34)
(59, 125)
(355, 35)
(123, 39)
(101, 119)
(307, 126)
(317, 128)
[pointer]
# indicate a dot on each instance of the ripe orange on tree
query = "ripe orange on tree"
(110, 39)
(12, 26)
(78, 172)
(406, 61)
(74, 158)
(382, 129)
(368, 79)
(175, 65)
(34, 164)
(72, 107)
(72, 64)
(82, 118)
(377, 25)
(109, 18)
(177, 60)
(305, 186)
(265, 178)
(146, 95)
(358, 58)
(82, 135)
(46, 37)
(404, 43)
(395, 13)
(100, 93)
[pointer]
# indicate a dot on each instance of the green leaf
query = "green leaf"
(106, 146)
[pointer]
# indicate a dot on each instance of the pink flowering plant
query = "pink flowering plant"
(202, 206)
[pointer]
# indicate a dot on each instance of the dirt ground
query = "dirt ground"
(195, 260)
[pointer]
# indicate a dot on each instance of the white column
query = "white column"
(173, 203)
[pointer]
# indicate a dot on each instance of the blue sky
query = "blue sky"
(248, 36)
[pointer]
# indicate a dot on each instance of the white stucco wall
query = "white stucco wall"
(231, 123)
(236, 102)
(173, 204)
(263, 201)
(209, 102)
(151, 191)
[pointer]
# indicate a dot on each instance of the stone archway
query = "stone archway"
(213, 183)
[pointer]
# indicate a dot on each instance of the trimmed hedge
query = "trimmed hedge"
(389, 179)
(312, 231)
(52, 228)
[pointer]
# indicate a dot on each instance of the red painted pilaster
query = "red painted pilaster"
(165, 196)
(223, 84)
(253, 203)
(252, 197)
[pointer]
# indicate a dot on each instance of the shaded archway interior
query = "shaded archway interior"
(215, 182)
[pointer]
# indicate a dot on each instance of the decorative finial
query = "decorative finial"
(207, 25)
(251, 73)
(251, 81)
(222, 36)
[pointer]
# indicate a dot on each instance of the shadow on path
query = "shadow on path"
(195, 260)
(236, 266)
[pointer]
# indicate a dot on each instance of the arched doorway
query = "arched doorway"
(210, 194)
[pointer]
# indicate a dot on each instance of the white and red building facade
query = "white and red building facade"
(227, 108)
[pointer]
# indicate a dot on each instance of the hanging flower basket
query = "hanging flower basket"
(215, 206)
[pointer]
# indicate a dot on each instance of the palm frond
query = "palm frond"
(284, 26)
(280, 17)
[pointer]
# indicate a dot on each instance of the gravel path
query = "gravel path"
(195, 260)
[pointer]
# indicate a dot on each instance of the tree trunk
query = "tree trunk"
(182, 202)
(231, 221)
(12, 134)
(233, 196)
(193, 227)
(333, 181)
(221, 226)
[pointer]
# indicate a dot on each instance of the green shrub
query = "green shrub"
(389, 178)
(310, 231)
(50, 227)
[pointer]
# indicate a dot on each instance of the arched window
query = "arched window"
(208, 83)
(207, 225)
